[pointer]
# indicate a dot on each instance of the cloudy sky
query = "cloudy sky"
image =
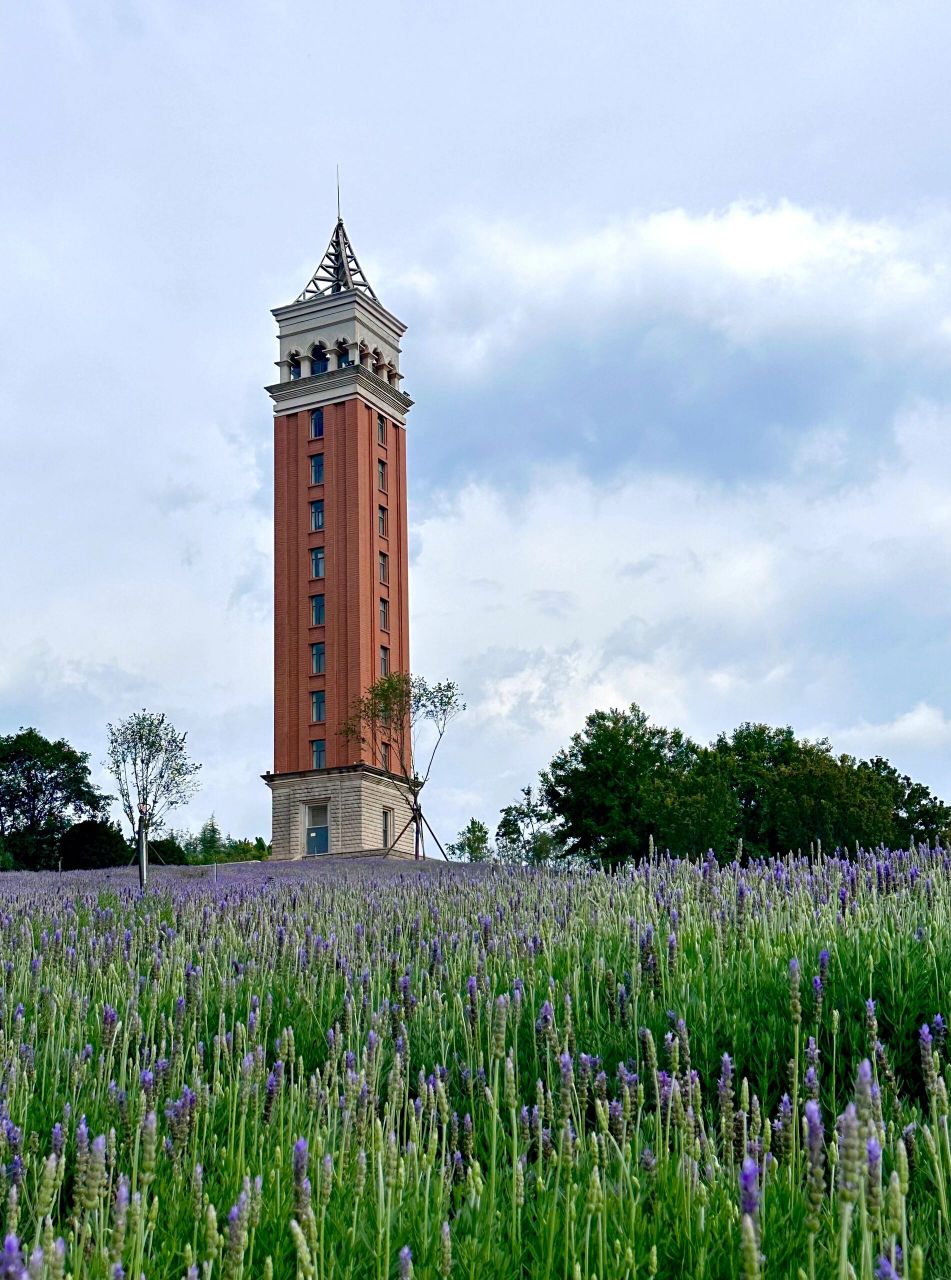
(677, 278)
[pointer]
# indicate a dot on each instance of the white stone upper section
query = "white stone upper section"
(349, 325)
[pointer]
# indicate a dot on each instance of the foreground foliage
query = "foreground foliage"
(302, 1071)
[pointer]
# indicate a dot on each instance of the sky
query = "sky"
(677, 282)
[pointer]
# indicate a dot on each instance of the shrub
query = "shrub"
(169, 851)
(93, 843)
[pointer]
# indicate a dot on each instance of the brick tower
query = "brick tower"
(341, 616)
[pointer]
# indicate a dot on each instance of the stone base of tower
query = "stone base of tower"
(355, 809)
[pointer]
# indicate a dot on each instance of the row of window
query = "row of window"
(382, 524)
(318, 651)
(317, 473)
(317, 425)
(320, 360)
(318, 568)
(318, 753)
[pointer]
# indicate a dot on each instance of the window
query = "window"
(343, 358)
(384, 615)
(318, 829)
(381, 521)
(317, 562)
(318, 706)
(318, 659)
(317, 612)
(381, 476)
(319, 364)
(387, 827)
(385, 755)
(294, 366)
(384, 660)
(384, 567)
(317, 515)
(318, 750)
(317, 415)
(380, 429)
(317, 468)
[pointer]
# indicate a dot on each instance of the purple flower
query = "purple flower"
(301, 1181)
(406, 1263)
(885, 1270)
(749, 1188)
(12, 1264)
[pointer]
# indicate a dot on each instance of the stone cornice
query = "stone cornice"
(297, 314)
(359, 767)
(320, 387)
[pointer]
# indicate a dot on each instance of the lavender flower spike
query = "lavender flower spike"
(749, 1188)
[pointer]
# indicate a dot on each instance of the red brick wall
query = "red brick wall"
(351, 584)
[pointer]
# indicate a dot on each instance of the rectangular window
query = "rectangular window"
(387, 827)
(317, 612)
(384, 660)
(380, 429)
(318, 659)
(384, 615)
(343, 359)
(318, 706)
(317, 417)
(317, 562)
(385, 754)
(317, 515)
(384, 567)
(318, 749)
(317, 468)
(319, 364)
(318, 829)
(381, 522)
(381, 476)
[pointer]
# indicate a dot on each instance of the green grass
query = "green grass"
(403, 1009)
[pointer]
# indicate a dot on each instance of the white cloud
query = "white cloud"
(747, 272)
(923, 727)
(739, 605)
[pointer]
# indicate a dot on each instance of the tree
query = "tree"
(622, 781)
(147, 757)
(93, 843)
(169, 850)
(44, 786)
(388, 721)
(525, 834)
(916, 814)
(472, 843)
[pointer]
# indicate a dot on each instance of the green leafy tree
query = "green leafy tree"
(525, 834)
(93, 843)
(472, 843)
(614, 786)
(169, 850)
(44, 786)
(916, 814)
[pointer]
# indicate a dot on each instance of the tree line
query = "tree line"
(52, 814)
(623, 785)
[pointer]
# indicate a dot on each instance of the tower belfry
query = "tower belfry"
(341, 615)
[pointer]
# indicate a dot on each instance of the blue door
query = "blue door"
(318, 830)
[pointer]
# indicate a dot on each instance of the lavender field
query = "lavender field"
(381, 1070)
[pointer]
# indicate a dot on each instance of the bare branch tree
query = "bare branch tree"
(147, 757)
(389, 721)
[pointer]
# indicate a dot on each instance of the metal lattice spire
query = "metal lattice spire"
(338, 270)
